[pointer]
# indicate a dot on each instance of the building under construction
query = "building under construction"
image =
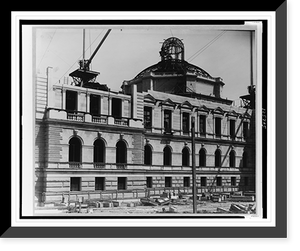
(95, 143)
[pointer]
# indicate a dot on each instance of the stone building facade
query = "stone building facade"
(99, 144)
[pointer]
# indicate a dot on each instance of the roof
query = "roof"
(176, 99)
(175, 66)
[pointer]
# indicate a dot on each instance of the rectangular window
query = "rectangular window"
(149, 182)
(185, 122)
(232, 128)
(100, 183)
(71, 101)
(202, 125)
(218, 127)
(167, 120)
(203, 181)
(116, 107)
(168, 181)
(246, 181)
(186, 182)
(75, 184)
(147, 117)
(94, 104)
(245, 130)
(233, 181)
(122, 183)
(219, 181)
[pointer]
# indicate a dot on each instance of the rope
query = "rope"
(197, 53)
(47, 48)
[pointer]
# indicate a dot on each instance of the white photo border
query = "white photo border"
(28, 124)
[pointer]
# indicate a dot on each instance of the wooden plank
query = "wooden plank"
(222, 210)
(242, 198)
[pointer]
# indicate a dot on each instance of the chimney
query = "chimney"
(218, 88)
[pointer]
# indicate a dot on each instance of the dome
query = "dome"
(172, 48)
(174, 66)
(172, 74)
(172, 61)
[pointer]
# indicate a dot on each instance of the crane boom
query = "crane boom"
(98, 47)
(83, 76)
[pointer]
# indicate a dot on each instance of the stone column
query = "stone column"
(109, 106)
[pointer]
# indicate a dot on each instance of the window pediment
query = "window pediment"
(233, 114)
(168, 102)
(186, 104)
(149, 99)
(203, 108)
(219, 110)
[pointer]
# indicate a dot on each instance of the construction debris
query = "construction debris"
(249, 193)
(222, 210)
(155, 202)
(238, 193)
(171, 209)
(238, 208)
(241, 198)
(216, 199)
(205, 203)
(148, 202)
(163, 201)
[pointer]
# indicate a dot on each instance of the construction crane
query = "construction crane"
(83, 76)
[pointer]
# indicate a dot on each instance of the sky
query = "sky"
(130, 49)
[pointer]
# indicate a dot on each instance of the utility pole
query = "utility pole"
(194, 167)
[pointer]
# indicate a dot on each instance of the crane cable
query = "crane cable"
(47, 48)
(197, 53)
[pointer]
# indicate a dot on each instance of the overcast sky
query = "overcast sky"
(129, 49)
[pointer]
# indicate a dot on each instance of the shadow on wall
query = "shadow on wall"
(40, 158)
(39, 189)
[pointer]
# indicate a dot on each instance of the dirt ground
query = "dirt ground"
(206, 207)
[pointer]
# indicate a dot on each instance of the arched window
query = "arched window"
(245, 159)
(74, 150)
(121, 152)
(147, 155)
(218, 158)
(167, 156)
(232, 158)
(99, 151)
(185, 157)
(202, 157)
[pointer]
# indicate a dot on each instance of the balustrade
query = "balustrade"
(123, 122)
(75, 117)
(75, 165)
(99, 120)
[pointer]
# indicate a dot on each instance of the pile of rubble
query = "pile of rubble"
(180, 199)
(239, 208)
(169, 202)
(87, 206)
(173, 201)
(234, 197)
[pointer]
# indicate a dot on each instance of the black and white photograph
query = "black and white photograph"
(149, 125)
(152, 120)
